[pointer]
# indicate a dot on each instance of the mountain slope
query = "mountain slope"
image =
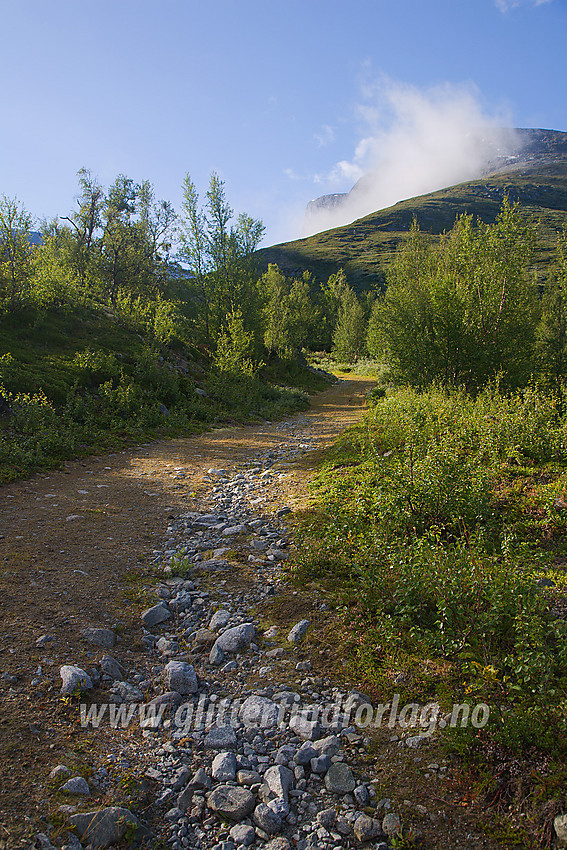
(535, 176)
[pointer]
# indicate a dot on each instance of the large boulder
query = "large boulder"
(107, 826)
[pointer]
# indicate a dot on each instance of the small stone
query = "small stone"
(308, 730)
(224, 767)
(237, 639)
(321, 764)
(279, 780)
(110, 667)
(42, 842)
(279, 843)
(219, 620)
(201, 779)
(221, 738)
(59, 772)
(417, 741)
(298, 631)
(560, 827)
(216, 655)
(266, 819)
(74, 680)
(361, 795)
(100, 637)
(157, 614)
(243, 834)
(181, 677)
(258, 711)
(339, 779)
(231, 802)
(76, 785)
(327, 818)
(125, 692)
(366, 829)
(391, 825)
(233, 530)
(328, 746)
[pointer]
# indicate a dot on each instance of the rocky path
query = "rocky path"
(205, 721)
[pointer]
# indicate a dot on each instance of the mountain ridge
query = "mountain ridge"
(535, 176)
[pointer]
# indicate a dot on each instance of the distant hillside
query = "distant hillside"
(536, 176)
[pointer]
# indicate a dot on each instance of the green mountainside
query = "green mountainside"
(536, 177)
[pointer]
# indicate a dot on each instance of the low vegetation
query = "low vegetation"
(439, 526)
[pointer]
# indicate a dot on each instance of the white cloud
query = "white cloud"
(412, 142)
(508, 5)
(325, 137)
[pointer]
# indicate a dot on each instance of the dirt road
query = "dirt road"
(70, 543)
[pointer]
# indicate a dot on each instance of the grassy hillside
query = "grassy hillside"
(83, 379)
(537, 180)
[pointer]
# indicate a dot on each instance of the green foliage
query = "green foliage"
(428, 527)
(462, 311)
(350, 329)
(289, 314)
(15, 253)
(235, 347)
(219, 258)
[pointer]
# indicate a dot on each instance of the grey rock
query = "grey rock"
(308, 730)
(327, 818)
(111, 668)
(417, 741)
(367, 829)
(201, 779)
(224, 767)
(59, 772)
(242, 834)
(321, 764)
(42, 842)
(339, 779)
(169, 698)
(258, 711)
(74, 679)
(328, 746)
(181, 677)
(267, 819)
(76, 785)
(182, 602)
(100, 637)
(298, 631)
(237, 639)
(125, 692)
(43, 640)
(279, 843)
(279, 781)
(221, 738)
(73, 843)
(231, 802)
(107, 826)
(305, 753)
(216, 655)
(361, 795)
(391, 825)
(248, 778)
(233, 530)
(155, 615)
(179, 778)
(219, 620)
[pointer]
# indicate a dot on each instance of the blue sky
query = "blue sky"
(271, 94)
